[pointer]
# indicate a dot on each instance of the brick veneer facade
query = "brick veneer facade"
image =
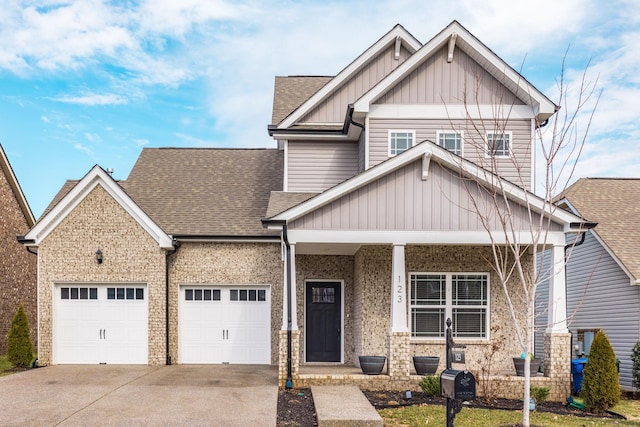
(67, 255)
(18, 268)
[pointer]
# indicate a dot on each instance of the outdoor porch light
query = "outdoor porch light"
(99, 256)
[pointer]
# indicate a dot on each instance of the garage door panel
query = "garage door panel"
(233, 329)
(104, 327)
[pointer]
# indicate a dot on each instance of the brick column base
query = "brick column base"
(282, 356)
(557, 364)
(398, 357)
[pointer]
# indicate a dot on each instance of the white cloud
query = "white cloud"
(93, 137)
(93, 99)
(83, 148)
(45, 119)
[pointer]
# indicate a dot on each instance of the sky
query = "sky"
(94, 81)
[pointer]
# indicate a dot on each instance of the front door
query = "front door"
(323, 326)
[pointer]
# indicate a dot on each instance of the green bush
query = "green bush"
(19, 350)
(430, 384)
(540, 394)
(600, 386)
(635, 369)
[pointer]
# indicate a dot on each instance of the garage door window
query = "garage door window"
(125, 293)
(79, 293)
(202, 294)
(248, 295)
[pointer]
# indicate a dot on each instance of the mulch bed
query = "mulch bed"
(295, 407)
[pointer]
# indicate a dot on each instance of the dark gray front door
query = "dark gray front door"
(323, 325)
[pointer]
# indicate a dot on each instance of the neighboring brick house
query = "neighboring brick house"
(603, 271)
(17, 266)
(345, 240)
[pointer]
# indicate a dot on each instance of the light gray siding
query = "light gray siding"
(599, 295)
(401, 200)
(437, 81)
(516, 168)
(333, 109)
(315, 166)
(541, 304)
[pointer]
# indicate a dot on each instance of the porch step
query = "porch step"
(344, 406)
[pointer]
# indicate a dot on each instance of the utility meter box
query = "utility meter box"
(457, 384)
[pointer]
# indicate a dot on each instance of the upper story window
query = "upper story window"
(463, 297)
(498, 144)
(451, 141)
(400, 140)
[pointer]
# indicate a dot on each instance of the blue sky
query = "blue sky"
(93, 82)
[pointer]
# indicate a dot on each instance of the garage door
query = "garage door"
(225, 324)
(101, 324)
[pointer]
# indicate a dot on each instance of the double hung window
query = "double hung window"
(498, 144)
(463, 297)
(451, 141)
(400, 140)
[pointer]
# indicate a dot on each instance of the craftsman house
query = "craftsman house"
(17, 266)
(356, 235)
(603, 269)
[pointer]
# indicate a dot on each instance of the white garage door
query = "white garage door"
(101, 324)
(225, 324)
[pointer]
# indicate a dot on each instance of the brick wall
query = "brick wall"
(227, 264)
(67, 255)
(17, 267)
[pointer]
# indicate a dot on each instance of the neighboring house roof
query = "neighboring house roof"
(428, 152)
(614, 203)
(67, 202)
(397, 33)
(15, 188)
(204, 192)
(291, 91)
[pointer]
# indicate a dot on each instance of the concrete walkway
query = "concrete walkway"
(117, 395)
(344, 406)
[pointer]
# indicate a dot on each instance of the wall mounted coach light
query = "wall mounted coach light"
(99, 256)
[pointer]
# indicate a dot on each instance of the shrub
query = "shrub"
(430, 384)
(600, 386)
(635, 369)
(19, 350)
(540, 394)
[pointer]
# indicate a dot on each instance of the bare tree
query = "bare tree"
(560, 142)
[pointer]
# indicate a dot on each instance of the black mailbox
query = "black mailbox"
(456, 384)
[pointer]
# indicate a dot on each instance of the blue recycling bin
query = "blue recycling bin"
(577, 368)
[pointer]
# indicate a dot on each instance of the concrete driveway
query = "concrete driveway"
(193, 395)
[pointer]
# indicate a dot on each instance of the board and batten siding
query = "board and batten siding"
(401, 200)
(541, 313)
(333, 109)
(316, 166)
(462, 81)
(599, 295)
(516, 168)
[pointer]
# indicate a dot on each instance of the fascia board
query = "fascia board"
(350, 70)
(439, 155)
(97, 176)
(363, 104)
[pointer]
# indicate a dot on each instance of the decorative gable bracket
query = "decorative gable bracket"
(426, 161)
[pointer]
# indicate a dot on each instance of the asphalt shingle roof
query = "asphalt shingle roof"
(203, 191)
(280, 201)
(614, 203)
(291, 91)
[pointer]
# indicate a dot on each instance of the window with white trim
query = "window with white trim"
(400, 140)
(464, 297)
(451, 141)
(498, 144)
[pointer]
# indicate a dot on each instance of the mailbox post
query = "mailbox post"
(455, 385)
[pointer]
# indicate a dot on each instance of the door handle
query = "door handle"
(104, 333)
(338, 332)
(100, 333)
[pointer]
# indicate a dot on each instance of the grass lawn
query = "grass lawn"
(434, 416)
(4, 364)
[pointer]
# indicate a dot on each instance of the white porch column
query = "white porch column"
(557, 317)
(398, 291)
(285, 294)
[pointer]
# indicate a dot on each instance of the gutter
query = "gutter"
(289, 383)
(176, 245)
(348, 121)
(586, 226)
(27, 243)
(225, 238)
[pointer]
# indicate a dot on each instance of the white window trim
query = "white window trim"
(461, 133)
(487, 153)
(391, 131)
(448, 312)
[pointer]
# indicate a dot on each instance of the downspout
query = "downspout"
(287, 247)
(166, 299)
